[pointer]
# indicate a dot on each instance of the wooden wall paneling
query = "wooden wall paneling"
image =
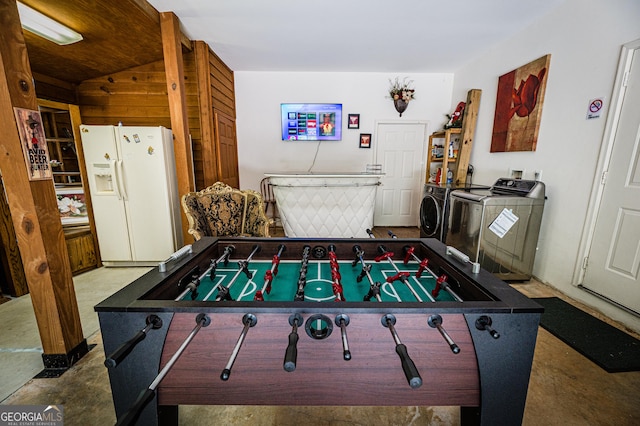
(135, 97)
(174, 67)
(192, 96)
(224, 107)
(227, 148)
(223, 86)
(34, 208)
(206, 154)
(55, 90)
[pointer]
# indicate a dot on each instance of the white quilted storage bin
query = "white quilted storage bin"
(336, 205)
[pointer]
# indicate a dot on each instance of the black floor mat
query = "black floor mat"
(610, 348)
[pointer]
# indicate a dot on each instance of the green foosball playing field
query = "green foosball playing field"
(318, 283)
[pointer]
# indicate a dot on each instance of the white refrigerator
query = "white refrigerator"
(133, 184)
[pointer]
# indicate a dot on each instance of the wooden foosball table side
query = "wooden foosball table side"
(488, 378)
(372, 377)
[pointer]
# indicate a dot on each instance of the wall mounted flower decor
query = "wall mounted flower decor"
(401, 93)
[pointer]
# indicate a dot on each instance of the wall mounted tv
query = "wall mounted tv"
(311, 122)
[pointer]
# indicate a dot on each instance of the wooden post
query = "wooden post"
(174, 68)
(34, 209)
(14, 279)
(469, 119)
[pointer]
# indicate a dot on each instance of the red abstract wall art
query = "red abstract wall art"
(519, 107)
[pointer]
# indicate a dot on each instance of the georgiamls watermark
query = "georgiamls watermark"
(31, 415)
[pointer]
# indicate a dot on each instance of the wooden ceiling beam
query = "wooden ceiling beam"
(145, 7)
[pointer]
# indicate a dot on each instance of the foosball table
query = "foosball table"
(328, 322)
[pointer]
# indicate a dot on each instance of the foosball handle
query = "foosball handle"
(131, 416)
(410, 370)
(226, 373)
(113, 360)
(291, 354)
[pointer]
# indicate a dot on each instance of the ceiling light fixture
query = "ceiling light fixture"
(45, 27)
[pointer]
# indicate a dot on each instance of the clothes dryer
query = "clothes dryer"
(434, 208)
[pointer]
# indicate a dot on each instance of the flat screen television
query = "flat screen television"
(311, 122)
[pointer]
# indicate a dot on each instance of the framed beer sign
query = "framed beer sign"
(34, 144)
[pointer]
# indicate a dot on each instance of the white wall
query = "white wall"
(584, 39)
(259, 95)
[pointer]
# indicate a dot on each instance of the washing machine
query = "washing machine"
(498, 227)
(434, 208)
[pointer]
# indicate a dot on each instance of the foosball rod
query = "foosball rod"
(441, 281)
(302, 276)
(131, 416)
(268, 276)
(195, 283)
(223, 292)
(249, 320)
(224, 257)
(435, 321)
(384, 254)
(335, 274)
(244, 264)
(483, 323)
(342, 321)
(410, 371)
(374, 287)
(370, 233)
(153, 322)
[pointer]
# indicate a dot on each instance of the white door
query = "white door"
(146, 192)
(613, 262)
(101, 158)
(400, 149)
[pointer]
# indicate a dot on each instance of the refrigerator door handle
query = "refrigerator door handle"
(116, 179)
(121, 186)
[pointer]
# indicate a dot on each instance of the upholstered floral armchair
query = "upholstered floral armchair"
(221, 210)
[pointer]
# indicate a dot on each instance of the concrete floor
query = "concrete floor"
(565, 388)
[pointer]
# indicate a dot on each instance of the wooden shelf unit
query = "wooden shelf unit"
(450, 139)
(62, 147)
